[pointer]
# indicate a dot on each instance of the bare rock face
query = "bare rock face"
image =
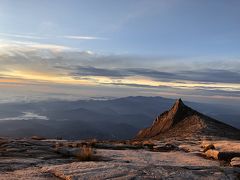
(183, 122)
(27, 159)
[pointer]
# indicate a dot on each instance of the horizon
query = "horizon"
(232, 105)
(81, 49)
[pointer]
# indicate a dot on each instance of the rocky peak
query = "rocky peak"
(178, 104)
(178, 107)
(182, 120)
(178, 111)
(169, 118)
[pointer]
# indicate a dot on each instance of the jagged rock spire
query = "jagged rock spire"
(179, 103)
(178, 106)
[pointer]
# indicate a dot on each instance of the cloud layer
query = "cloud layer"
(35, 37)
(31, 64)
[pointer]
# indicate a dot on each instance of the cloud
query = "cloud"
(24, 36)
(158, 75)
(197, 91)
(202, 75)
(25, 116)
(212, 75)
(40, 37)
(84, 37)
(36, 65)
(92, 71)
(28, 46)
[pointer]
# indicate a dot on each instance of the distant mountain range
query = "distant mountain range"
(118, 118)
(182, 121)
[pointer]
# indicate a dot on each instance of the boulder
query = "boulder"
(207, 147)
(226, 156)
(235, 161)
(212, 153)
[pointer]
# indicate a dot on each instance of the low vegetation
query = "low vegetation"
(86, 154)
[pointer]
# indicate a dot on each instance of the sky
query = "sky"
(75, 49)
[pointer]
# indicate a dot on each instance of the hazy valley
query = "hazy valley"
(102, 119)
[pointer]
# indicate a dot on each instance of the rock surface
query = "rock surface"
(128, 164)
(38, 160)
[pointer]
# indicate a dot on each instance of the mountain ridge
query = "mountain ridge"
(101, 119)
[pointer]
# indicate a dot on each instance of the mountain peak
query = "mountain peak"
(178, 105)
(179, 102)
(183, 121)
